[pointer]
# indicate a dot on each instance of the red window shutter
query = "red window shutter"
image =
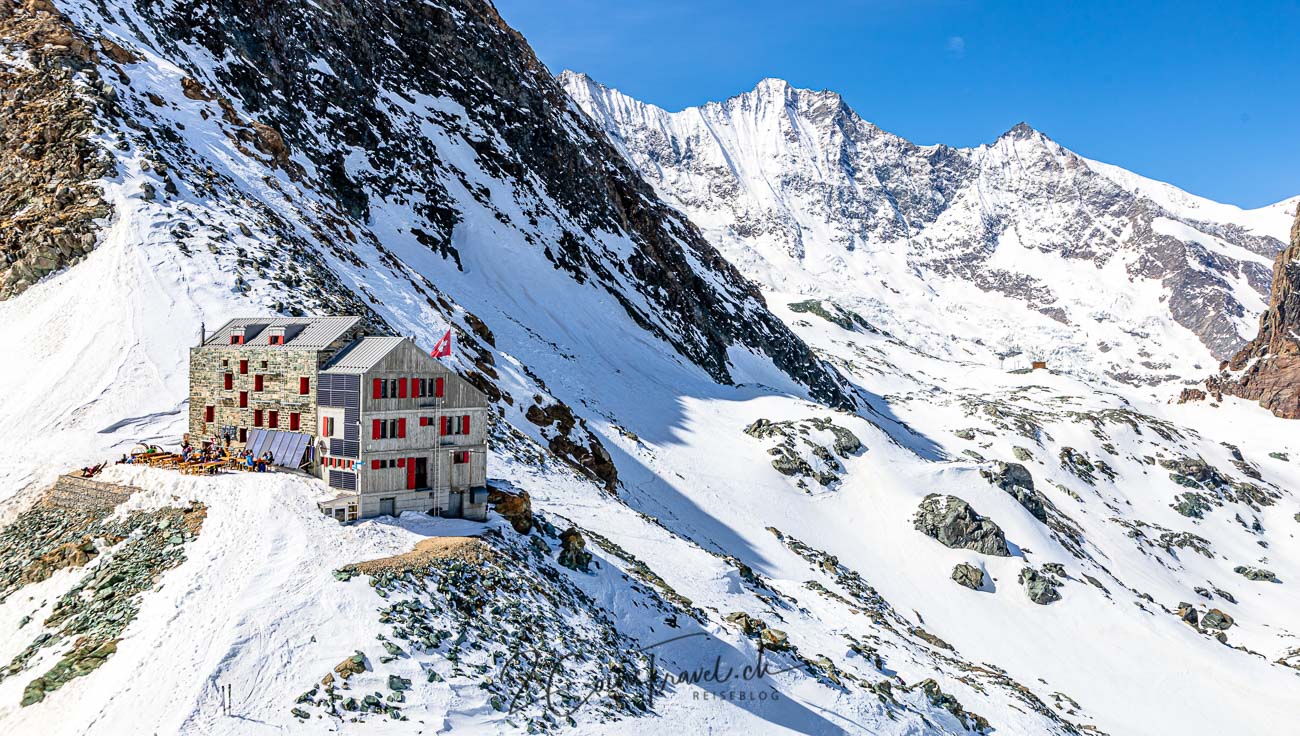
(230, 380)
(304, 385)
(410, 474)
(243, 434)
(374, 389)
(208, 413)
(243, 366)
(401, 427)
(437, 388)
(295, 419)
(401, 462)
(374, 430)
(259, 382)
(243, 399)
(424, 421)
(464, 424)
(273, 421)
(257, 417)
(442, 430)
(325, 426)
(374, 465)
(401, 388)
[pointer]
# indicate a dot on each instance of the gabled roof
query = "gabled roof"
(362, 355)
(300, 333)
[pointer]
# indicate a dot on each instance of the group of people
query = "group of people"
(258, 463)
(210, 452)
(213, 450)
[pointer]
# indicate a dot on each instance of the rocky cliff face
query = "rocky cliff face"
(1267, 370)
(805, 195)
(50, 94)
(380, 125)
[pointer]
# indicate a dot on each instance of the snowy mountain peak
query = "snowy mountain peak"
(1077, 259)
(1020, 130)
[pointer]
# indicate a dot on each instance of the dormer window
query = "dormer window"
(236, 339)
(275, 335)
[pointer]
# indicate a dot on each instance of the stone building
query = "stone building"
(386, 426)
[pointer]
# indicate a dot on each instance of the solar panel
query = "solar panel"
(286, 447)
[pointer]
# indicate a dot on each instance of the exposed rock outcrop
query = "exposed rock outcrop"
(573, 550)
(955, 524)
(1267, 370)
(48, 162)
(968, 576)
(515, 507)
(1257, 574)
(1015, 479)
(1039, 586)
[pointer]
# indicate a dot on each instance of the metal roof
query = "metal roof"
(362, 355)
(301, 333)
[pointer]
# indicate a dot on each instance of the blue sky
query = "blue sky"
(1203, 95)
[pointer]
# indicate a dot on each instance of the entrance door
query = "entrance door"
(456, 505)
(388, 507)
(421, 472)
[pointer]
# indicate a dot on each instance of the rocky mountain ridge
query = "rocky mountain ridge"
(798, 189)
(1267, 370)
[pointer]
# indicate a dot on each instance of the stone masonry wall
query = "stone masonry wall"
(71, 492)
(280, 368)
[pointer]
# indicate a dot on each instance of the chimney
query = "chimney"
(203, 333)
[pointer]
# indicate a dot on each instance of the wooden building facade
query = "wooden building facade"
(401, 432)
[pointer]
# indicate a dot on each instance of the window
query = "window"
(275, 340)
(224, 362)
(243, 434)
(273, 419)
(236, 339)
(257, 417)
(437, 388)
(209, 413)
(454, 425)
(304, 385)
(243, 399)
(417, 387)
(327, 426)
(295, 420)
(230, 380)
(243, 366)
(264, 364)
(383, 385)
(460, 458)
(259, 382)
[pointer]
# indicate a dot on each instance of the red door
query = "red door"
(410, 474)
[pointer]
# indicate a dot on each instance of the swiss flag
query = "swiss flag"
(443, 348)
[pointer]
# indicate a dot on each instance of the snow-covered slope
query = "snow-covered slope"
(728, 462)
(1019, 245)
